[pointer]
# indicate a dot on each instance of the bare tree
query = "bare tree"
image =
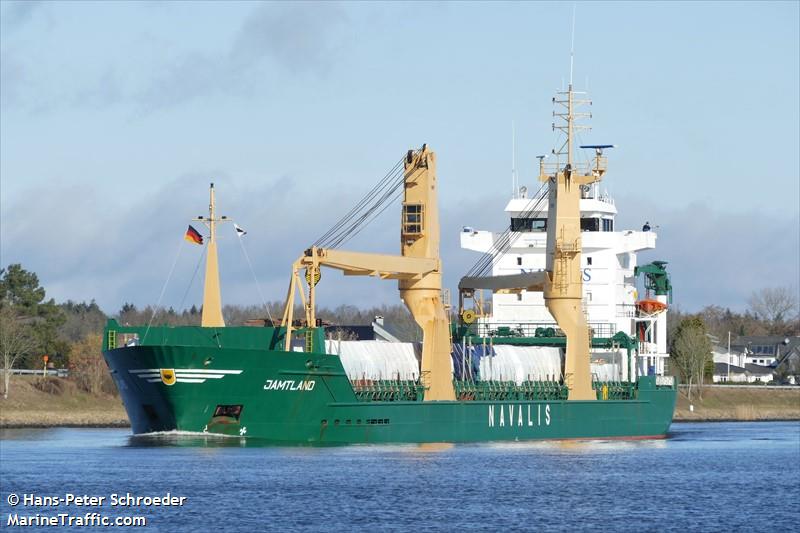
(341, 334)
(87, 366)
(691, 351)
(16, 340)
(775, 305)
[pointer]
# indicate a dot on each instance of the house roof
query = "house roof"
(361, 333)
(758, 369)
(716, 348)
(374, 332)
(386, 331)
(786, 342)
(721, 369)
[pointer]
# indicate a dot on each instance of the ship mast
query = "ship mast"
(212, 301)
(563, 289)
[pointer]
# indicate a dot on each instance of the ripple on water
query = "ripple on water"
(692, 480)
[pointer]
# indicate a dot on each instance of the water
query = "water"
(710, 476)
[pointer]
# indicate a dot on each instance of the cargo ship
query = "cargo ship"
(474, 377)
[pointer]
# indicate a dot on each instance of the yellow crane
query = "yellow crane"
(418, 270)
(561, 282)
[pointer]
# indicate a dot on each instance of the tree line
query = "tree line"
(770, 311)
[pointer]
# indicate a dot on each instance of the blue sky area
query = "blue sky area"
(115, 117)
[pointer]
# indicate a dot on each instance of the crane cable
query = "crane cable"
(371, 201)
(503, 242)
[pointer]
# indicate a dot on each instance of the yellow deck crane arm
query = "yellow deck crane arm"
(417, 270)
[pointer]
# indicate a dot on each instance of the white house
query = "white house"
(724, 373)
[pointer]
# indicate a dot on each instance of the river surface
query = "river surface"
(707, 476)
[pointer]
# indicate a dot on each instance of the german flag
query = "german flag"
(192, 235)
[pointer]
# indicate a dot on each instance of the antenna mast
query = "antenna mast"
(563, 289)
(572, 47)
(514, 183)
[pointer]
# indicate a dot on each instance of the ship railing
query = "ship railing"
(647, 348)
(606, 199)
(602, 329)
(626, 310)
(667, 382)
(582, 168)
(368, 390)
(467, 390)
(535, 329)
(613, 390)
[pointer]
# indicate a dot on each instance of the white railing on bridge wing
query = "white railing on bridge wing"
(665, 381)
(647, 348)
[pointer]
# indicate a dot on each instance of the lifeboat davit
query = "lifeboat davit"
(650, 306)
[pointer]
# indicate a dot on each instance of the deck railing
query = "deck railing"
(665, 381)
(535, 329)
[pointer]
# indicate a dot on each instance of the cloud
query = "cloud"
(715, 257)
(17, 14)
(12, 79)
(275, 38)
(14, 70)
(103, 92)
(86, 244)
(302, 38)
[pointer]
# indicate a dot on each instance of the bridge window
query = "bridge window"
(528, 224)
(412, 219)
(590, 224)
(608, 224)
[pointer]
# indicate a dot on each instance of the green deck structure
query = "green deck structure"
(239, 381)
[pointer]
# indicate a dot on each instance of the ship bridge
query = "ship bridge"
(609, 261)
(597, 212)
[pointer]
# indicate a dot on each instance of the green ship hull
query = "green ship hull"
(234, 381)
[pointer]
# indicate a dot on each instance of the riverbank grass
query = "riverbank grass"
(37, 402)
(733, 403)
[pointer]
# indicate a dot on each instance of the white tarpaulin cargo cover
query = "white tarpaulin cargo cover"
(522, 363)
(375, 360)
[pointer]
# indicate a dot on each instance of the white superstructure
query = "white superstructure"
(609, 283)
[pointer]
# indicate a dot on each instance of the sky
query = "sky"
(114, 118)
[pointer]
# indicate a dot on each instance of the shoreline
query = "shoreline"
(706, 420)
(35, 425)
(30, 407)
